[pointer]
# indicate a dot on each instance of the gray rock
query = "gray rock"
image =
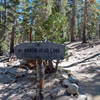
(73, 80)
(51, 83)
(66, 82)
(57, 92)
(71, 88)
(80, 97)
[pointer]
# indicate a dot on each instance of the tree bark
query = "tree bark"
(5, 16)
(0, 16)
(12, 37)
(84, 22)
(99, 31)
(41, 78)
(31, 34)
(57, 65)
(73, 22)
(31, 30)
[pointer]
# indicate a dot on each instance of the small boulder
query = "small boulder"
(51, 83)
(80, 97)
(66, 82)
(72, 79)
(57, 92)
(71, 88)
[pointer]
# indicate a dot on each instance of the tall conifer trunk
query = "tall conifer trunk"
(99, 31)
(0, 16)
(5, 16)
(31, 30)
(84, 22)
(12, 37)
(73, 22)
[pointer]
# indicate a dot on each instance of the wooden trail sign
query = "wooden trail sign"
(42, 50)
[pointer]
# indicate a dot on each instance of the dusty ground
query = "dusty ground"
(84, 62)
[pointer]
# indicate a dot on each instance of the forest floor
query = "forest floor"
(84, 63)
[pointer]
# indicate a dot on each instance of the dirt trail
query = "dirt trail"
(84, 62)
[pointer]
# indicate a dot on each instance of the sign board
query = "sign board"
(42, 50)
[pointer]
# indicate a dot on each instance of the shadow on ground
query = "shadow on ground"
(12, 88)
(91, 86)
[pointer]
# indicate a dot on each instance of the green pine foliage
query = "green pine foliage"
(49, 19)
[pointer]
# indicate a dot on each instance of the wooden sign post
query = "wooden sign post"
(40, 51)
(41, 80)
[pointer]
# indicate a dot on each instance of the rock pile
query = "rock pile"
(66, 88)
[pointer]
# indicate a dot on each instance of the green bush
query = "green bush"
(5, 47)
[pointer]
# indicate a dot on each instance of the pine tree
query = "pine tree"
(84, 22)
(73, 21)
